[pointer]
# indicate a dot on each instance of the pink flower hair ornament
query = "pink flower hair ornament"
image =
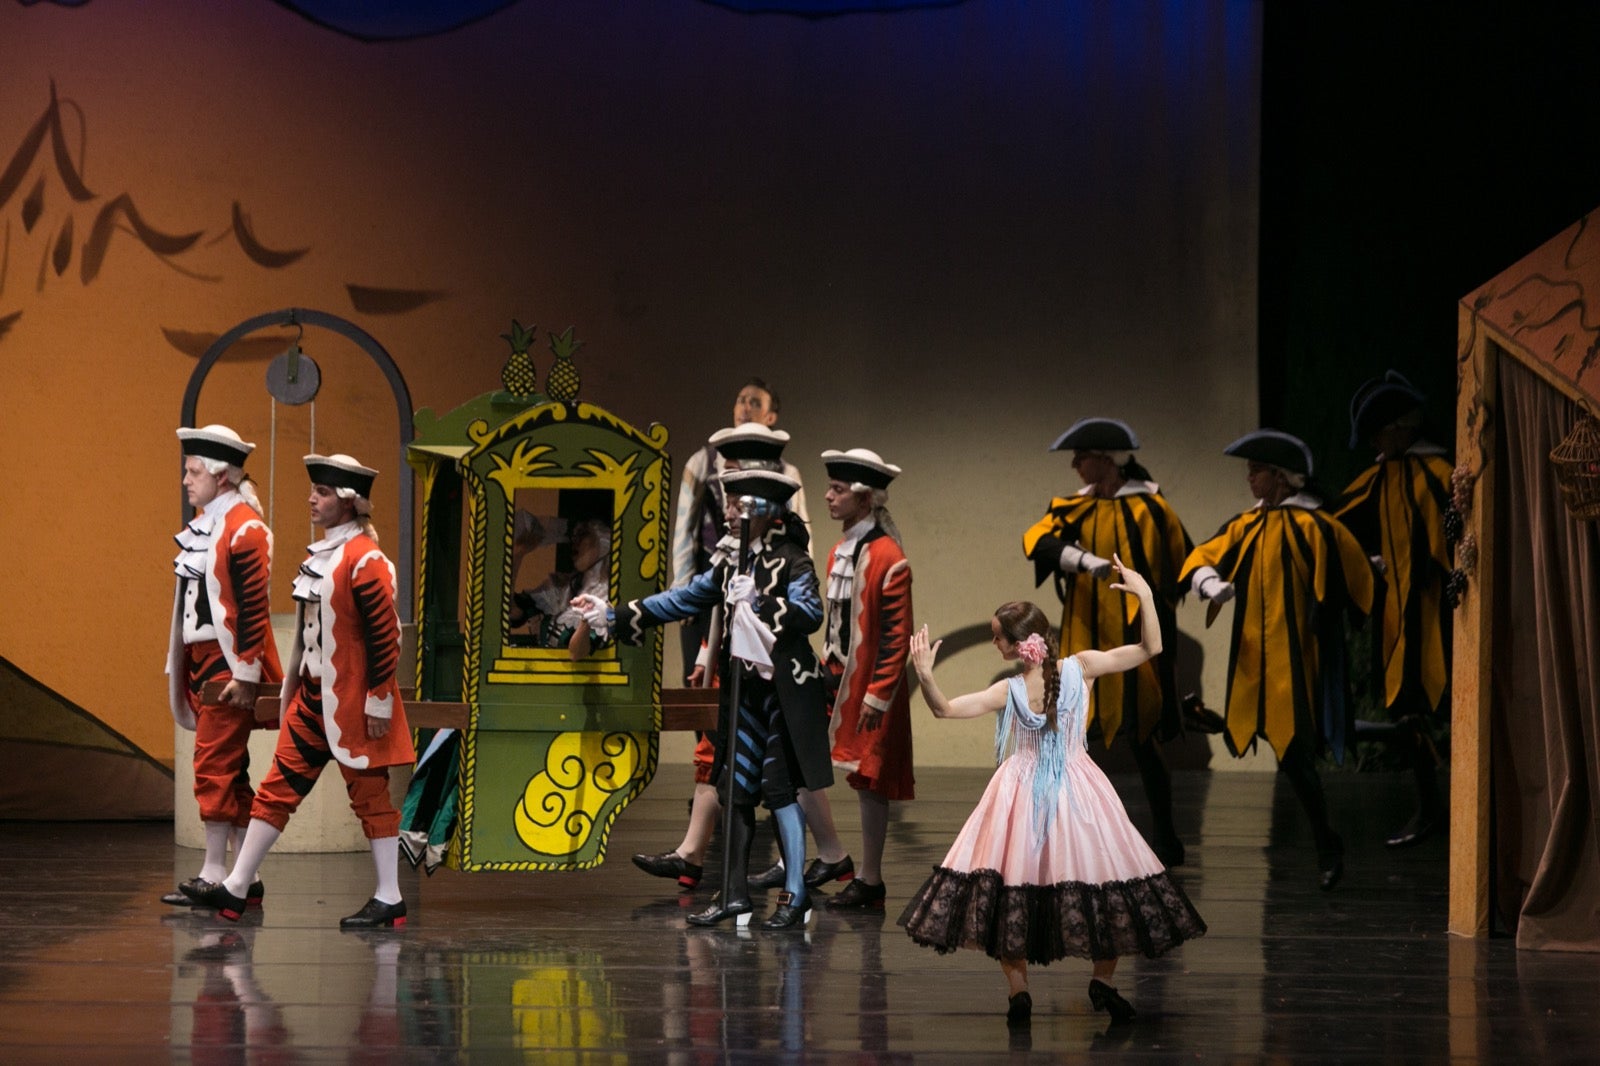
(1033, 650)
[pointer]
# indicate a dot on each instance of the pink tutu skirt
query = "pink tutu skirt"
(1089, 887)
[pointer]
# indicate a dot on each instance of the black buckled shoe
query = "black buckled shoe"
(858, 895)
(788, 914)
(737, 909)
(670, 864)
(1019, 1012)
(375, 914)
(203, 893)
(820, 873)
(1103, 997)
(772, 877)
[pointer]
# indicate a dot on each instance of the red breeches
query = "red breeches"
(221, 740)
(298, 762)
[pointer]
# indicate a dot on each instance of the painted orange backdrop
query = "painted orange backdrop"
(945, 234)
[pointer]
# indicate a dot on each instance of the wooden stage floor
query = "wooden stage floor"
(598, 967)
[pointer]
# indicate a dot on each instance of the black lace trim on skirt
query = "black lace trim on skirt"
(1042, 923)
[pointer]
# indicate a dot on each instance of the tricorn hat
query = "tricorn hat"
(216, 442)
(1275, 448)
(1097, 435)
(751, 442)
(763, 484)
(341, 472)
(860, 467)
(1380, 402)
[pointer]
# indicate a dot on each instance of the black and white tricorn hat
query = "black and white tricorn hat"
(1380, 402)
(751, 442)
(767, 485)
(216, 442)
(341, 472)
(1275, 448)
(1109, 435)
(860, 468)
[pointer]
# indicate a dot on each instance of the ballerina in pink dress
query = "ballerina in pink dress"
(1048, 864)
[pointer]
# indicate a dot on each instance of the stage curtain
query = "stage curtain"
(1545, 764)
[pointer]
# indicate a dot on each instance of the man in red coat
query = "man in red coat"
(340, 697)
(221, 631)
(865, 644)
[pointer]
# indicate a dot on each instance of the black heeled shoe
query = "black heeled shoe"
(1019, 1013)
(858, 895)
(1103, 997)
(184, 895)
(1331, 875)
(203, 893)
(375, 914)
(737, 909)
(820, 873)
(670, 864)
(772, 877)
(789, 915)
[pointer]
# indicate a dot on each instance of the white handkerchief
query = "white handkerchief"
(751, 640)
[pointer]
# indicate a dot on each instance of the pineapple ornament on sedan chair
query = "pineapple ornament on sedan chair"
(518, 375)
(563, 382)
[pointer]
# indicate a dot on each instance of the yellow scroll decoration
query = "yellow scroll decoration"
(559, 807)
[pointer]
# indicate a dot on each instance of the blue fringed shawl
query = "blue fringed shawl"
(1050, 747)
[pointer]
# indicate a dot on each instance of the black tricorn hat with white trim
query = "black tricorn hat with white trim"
(341, 472)
(763, 484)
(1275, 448)
(751, 442)
(859, 466)
(216, 442)
(1381, 402)
(1097, 435)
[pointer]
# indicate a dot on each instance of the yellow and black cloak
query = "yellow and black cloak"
(1396, 510)
(1140, 527)
(1295, 569)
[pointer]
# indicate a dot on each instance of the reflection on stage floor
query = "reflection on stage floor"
(598, 966)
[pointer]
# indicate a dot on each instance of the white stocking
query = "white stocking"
(258, 840)
(386, 858)
(215, 866)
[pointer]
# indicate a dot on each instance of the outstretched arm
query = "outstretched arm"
(973, 704)
(1116, 660)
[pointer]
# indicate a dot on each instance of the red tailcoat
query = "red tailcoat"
(874, 674)
(238, 581)
(360, 634)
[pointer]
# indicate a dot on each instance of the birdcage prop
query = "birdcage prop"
(1577, 463)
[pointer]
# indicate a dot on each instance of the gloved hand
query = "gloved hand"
(595, 611)
(1075, 560)
(1210, 586)
(741, 589)
(1378, 563)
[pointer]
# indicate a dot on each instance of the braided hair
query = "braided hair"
(1019, 620)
